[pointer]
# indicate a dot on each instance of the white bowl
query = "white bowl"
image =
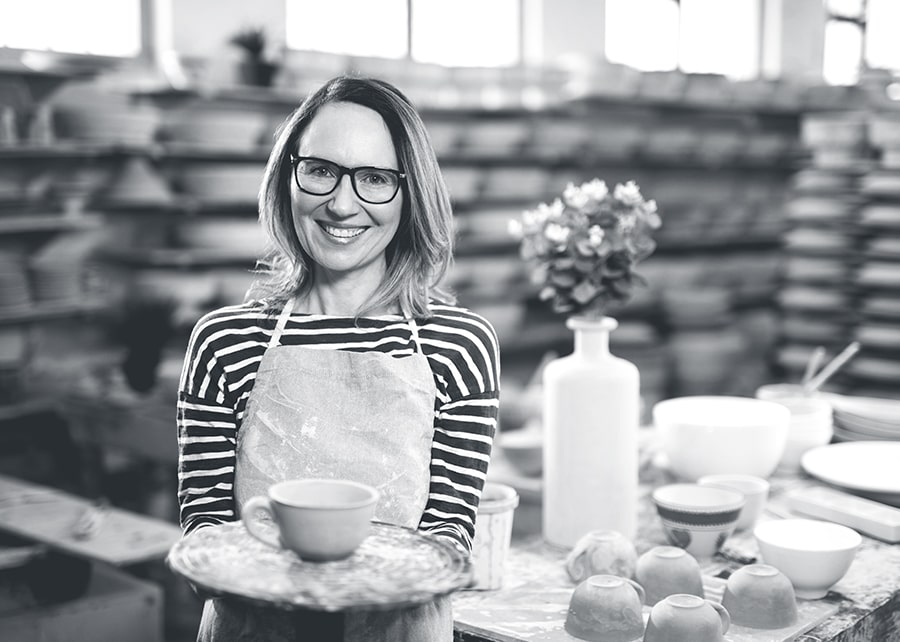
(813, 554)
(754, 489)
(711, 435)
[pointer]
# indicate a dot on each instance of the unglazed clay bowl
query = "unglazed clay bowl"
(711, 435)
(813, 554)
(601, 552)
(668, 570)
(606, 608)
(687, 618)
(759, 596)
(697, 518)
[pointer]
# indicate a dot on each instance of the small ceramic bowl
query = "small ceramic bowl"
(697, 518)
(524, 449)
(668, 570)
(759, 596)
(813, 554)
(754, 489)
(606, 608)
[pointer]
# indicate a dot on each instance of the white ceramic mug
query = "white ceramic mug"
(319, 519)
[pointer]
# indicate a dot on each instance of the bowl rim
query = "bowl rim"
(772, 409)
(763, 534)
(731, 499)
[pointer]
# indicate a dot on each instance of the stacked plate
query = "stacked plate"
(822, 246)
(14, 292)
(214, 128)
(866, 418)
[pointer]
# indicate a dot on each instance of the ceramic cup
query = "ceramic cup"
(319, 519)
(687, 618)
(606, 608)
(667, 570)
(601, 552)
(697, 518)
(754, 489)
(761, 597)
(493, 533)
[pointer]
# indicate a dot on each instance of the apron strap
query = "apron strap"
(282, 321)
(414, 329)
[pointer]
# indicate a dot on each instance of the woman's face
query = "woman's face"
(342, 233)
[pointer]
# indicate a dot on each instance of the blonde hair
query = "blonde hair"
(420, 253)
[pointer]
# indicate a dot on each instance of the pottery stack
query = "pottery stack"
(876, 369)
(822, 244)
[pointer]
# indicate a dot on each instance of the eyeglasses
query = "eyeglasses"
(321, 177)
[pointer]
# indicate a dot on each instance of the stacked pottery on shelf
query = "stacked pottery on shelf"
(876, 370)
(821, 245)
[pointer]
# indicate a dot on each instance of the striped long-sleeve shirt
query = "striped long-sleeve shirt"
(220, 367)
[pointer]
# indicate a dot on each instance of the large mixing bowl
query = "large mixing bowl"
(711, 435)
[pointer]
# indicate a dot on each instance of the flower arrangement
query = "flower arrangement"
(583, 248)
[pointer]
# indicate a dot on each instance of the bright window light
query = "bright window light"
(843, 52)
(883, 17)
(466, 33)
(642, 33)
(720, 37)
(97, 27)
(352, 27)
(846, 8)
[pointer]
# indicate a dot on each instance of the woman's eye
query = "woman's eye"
(374, 178)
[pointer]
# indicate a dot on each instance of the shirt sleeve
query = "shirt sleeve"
(206, 440)
(461, 451)
(467, 374)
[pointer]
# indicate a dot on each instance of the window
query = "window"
(882, 20)
(352, 27)
(642, 33)
(97, 27)
(448, 33)
(697, 36)
(844, 36)
(434, 31)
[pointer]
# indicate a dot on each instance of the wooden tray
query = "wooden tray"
(394, 567)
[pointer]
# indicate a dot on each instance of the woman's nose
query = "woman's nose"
(343, 198)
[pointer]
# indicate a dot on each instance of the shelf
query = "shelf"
(179, 257)
(48, 223)
(475, 247)
(69, 149)
(27, 408)
(588, 159)
(51, 311)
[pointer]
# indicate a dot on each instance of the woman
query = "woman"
(351, 363)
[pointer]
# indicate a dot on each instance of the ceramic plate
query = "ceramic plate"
(865, 467)
(393, 567)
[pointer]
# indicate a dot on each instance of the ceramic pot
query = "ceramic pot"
(668, 570)
(687, 618)
(760, 596)
(601, 553)
(591, 414)
(606, 608)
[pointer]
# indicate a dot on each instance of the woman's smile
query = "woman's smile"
(342, 233)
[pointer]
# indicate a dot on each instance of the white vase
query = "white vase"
(591, 416)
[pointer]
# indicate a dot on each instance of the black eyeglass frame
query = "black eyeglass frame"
(349, 171)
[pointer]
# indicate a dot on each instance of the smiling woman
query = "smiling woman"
(348, 361)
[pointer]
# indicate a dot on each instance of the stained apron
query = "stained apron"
(330, 413)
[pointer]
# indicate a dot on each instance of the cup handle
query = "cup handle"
(723, 614)
(638, 589)
(249, 510)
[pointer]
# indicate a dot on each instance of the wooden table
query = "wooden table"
(863, 606)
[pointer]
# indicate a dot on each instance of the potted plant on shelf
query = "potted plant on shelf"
(255, 68)
(582, 250)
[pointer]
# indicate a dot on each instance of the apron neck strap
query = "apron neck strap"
(282, 321)
(414, 329)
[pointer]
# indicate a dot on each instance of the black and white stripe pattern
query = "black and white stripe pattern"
(220, 367)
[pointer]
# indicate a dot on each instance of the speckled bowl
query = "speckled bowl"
(759, 596)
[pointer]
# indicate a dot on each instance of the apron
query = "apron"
(365, 416)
